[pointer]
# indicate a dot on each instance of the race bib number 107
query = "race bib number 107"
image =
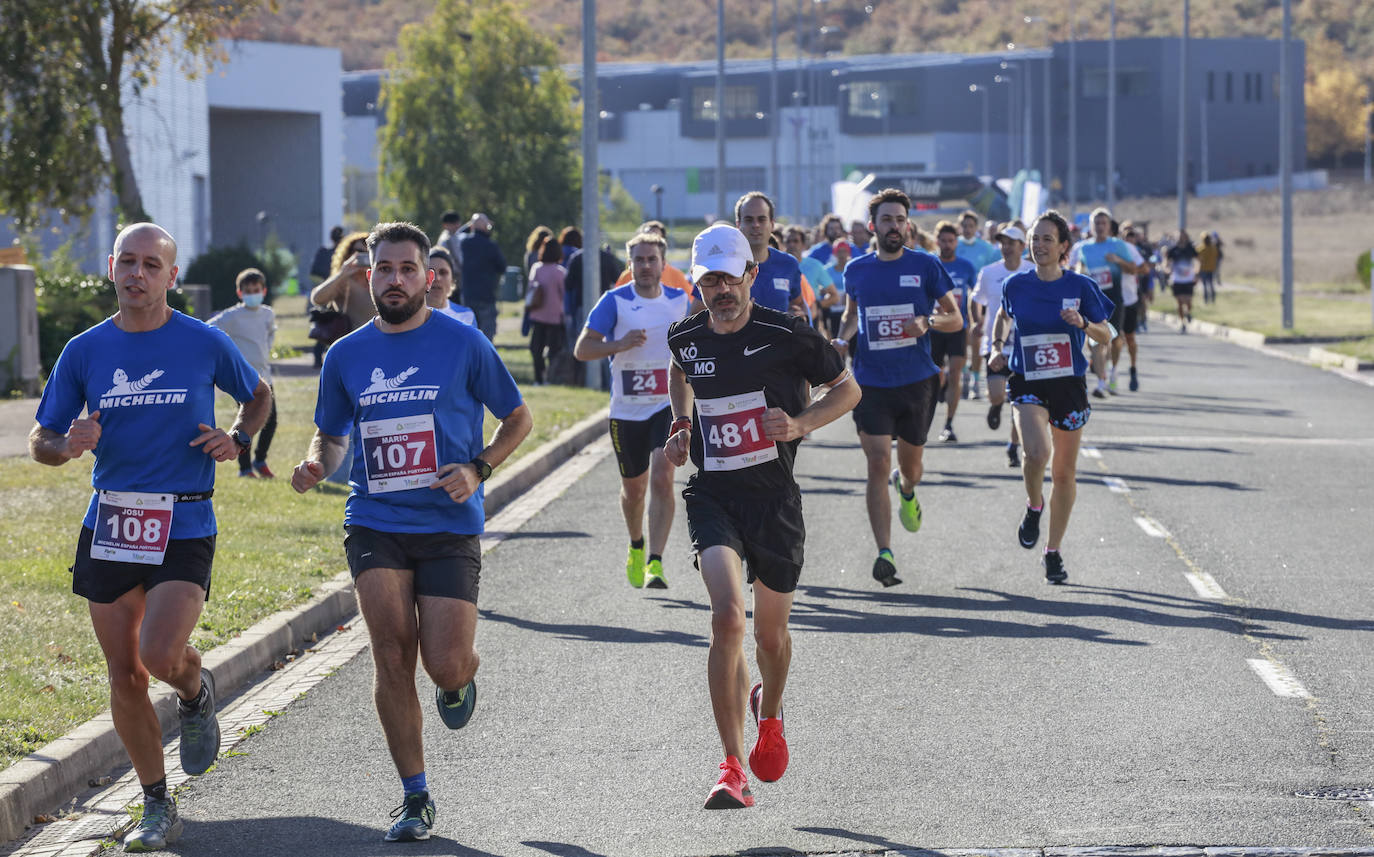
(732, 432)
(132, 527)
(400, 454)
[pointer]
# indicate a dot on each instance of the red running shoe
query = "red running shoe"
(261, 469)
(768, 759)
(732, 789)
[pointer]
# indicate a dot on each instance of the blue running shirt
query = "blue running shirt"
(1043, 345)
(412, 402)
(1093, 254)
(888, 293)
(964, 276)
(153, 389)
(639, 377)
(778, 282)
(979, 252)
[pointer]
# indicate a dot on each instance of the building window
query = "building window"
(1211, 86)
(741, 102)
(866, 99)
(1130, 82)
(1228, 86)
(1259, 86)
(739, 180)
(1247, 86)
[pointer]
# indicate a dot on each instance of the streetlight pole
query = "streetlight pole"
(1183, 123)
(797, 207)
(977, 88)
(591, 205)
(720, 108)
(774, 117)
(1073, 113)
(1007, 77)
(1286, 161)
(1111, 110)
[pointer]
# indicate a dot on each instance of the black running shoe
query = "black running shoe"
(1029, 532)
(885, 569)
(1013, 456)
(1055, 572)
(1135, 381)
(994, 417)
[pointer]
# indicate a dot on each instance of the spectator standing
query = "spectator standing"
(533, 243)
(545, 305)
(252, 326)
(320, 267)
(570, 239)
(449, 236)
(482, 267)
(1208, 258)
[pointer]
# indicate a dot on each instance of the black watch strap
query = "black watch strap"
(243, 439)
(483, 469)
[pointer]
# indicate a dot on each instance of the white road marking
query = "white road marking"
(1151, 527)
(1280, 680)
(1230, 441)
(1205, 585)
(1116, 485)
(527, 505)
(1090, 452)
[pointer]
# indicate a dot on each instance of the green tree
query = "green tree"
(479, 118)
(63, 67)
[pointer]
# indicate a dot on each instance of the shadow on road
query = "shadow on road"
(562, 849)
(303, 836)
(880, 841)
(596, 633)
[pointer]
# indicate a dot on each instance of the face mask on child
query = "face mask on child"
(253, 300)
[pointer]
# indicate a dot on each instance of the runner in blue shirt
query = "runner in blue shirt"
(777, 284)
(1054, 311)
(952, 348)
(146, 379)
(629, 324)
(893, 297)
(1104, 258)
(839, 258)
(411, 388)
(972, 246)
(830, 229)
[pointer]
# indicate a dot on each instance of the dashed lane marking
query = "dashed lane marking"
(1090, 452)
(1116, 485)
(1205, 585)
(1151, 527)
(1280, 680)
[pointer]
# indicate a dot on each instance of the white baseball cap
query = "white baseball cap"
(720, 248)
(1013, 232)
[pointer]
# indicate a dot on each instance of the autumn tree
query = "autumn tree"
(64, 66)
(479, 117)
(1337, 113)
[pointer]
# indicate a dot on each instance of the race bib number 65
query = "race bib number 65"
(885, 326)
(400, 453)
(132, 527)
(732, 432)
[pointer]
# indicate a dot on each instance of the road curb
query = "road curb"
(1321, 358)
(54, 774)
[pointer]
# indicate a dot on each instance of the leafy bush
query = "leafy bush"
(1362, 268)
(218, 267)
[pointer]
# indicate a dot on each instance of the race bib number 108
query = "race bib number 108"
(132, 527)
(732, 432)
(400, 454)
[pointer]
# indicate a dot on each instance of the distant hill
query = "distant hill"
(1337, 31)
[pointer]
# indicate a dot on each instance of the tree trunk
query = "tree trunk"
(122, 176)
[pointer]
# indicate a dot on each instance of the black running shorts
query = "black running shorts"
(1182, 290)
(904, 412)
(768, 533)
(445, 565)
(951, 345)
(1118, 311)
(1130, 320)
(104, 581)
(1065, 398)
(635, 441)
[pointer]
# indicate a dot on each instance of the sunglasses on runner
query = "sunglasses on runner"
(715, 280)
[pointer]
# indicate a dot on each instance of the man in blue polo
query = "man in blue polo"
(411, 388)
(1104, 258)
(778, 283)
(948, 350)
(146, 379)
(894, 297)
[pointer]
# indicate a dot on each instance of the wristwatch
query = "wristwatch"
(483, 469)
(243, 439)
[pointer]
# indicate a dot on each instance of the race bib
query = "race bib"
(132, 527)
(400, 453)
(1046, 355)
(732, 432)
(782, 284)
(1185, 269)
(885, 326)
(1101, 276)
(643, 382)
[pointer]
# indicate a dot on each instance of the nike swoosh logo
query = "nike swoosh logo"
(749, 353)
(369, 553)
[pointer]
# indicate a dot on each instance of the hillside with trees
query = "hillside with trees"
(1339, 34)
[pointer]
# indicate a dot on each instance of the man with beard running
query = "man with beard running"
(740, 387)
(947, 350)
(894, 297)
(410, 388)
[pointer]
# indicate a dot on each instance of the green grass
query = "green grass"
(274, 548)
(1361, 348)
(1325, 313)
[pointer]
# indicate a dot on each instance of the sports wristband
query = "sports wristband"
(680, 424)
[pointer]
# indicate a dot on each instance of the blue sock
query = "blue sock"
(415, 784)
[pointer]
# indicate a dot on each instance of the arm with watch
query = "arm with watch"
(461, 479)
(224, 445)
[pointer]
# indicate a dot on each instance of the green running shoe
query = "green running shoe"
(414, 818)
(159, 827)
(634, 567)
(653, 575)
(908, 508)
(456, 707)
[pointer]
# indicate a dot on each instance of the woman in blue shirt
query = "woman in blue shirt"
(1054, 311)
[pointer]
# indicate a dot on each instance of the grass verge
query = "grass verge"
(274, 547)
(1340, 314)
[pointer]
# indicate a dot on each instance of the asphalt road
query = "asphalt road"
(971, 707)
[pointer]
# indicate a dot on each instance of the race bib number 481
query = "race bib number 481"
(132, 527)
(1046, 355)
(732, 432)
(400, 453)
(885, 326)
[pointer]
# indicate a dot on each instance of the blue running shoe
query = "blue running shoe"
(159, 827)
(456, 706)
(414, 818)
(199, 729)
